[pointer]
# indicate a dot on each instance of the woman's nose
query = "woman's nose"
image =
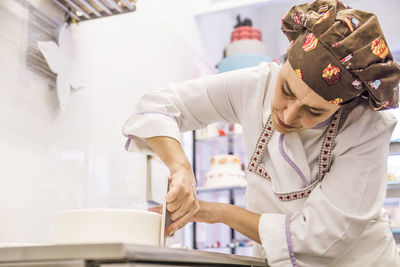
(291, 114)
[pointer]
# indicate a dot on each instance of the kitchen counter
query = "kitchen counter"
(118, 254)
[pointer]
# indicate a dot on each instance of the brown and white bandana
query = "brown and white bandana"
(341, 53)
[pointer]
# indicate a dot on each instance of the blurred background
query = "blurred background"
(62, 108)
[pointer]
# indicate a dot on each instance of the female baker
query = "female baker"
(316, 143)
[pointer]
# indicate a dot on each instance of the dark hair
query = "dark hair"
(282, 59)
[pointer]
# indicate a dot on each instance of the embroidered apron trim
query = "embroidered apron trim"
(325, 156)
(261, 146)
(324, 159)
(263, 172)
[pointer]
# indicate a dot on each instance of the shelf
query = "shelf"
(394, 148)
(396, 231)
(216, 137)
(228, 247)
(393, 189)
(219, 188)
(210, 7)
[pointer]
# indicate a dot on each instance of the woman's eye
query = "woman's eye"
(314, 114)
(285, 92)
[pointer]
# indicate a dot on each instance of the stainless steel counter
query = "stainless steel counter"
(121, 255)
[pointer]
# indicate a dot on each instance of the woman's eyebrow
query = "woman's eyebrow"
(306, 106)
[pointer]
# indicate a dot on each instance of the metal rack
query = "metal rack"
(229, 189)
(81, 10)
(393, 189)
(231, 201)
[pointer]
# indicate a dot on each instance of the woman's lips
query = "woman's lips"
(283, 125)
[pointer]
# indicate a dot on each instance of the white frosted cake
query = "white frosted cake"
(245, 47)
(226, 170)
(107, 226)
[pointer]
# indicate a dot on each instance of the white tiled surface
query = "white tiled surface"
(52, 160)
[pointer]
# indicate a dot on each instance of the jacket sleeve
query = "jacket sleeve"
(340, 208)
(191, 105)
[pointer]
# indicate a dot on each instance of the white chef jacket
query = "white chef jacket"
(341, 223)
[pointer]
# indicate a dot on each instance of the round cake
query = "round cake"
(245, 49)
(226, 170)
(240, 47)
(107, 226)
(244, 31)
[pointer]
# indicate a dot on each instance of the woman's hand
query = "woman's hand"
(181, 199)
(208, 212)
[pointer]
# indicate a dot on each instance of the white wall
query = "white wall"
(26, 112)
(51, 160)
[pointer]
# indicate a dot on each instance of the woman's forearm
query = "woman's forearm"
(170, 152)
(242, 220)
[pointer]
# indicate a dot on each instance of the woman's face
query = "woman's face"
(295, 106)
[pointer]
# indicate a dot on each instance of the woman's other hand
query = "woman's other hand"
(157, 209)
(208, 212)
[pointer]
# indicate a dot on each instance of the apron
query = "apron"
(324, 159)
(357, 255)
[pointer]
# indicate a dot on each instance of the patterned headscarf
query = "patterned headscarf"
(341, 53)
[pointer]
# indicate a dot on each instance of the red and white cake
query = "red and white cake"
(245, 39)
(245, 49)
(226, 170)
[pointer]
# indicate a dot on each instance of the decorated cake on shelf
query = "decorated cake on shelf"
(226, 171)
(246, 48)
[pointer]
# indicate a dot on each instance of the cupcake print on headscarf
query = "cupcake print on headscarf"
(342, 53)
(331, 75)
